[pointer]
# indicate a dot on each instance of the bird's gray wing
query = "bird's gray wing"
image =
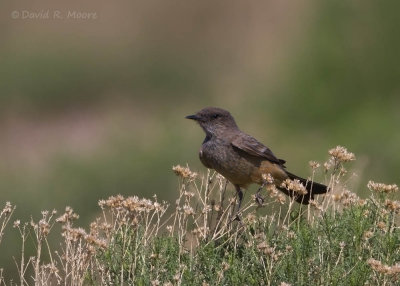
(251, 146)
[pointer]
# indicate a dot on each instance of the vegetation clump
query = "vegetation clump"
(339, 239)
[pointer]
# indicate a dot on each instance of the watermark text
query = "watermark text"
(53, 15)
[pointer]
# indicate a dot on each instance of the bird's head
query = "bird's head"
(214, 121)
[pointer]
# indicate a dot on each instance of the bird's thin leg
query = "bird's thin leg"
(240, 195)
(258, 197)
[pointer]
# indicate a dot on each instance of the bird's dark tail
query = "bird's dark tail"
(313, 188)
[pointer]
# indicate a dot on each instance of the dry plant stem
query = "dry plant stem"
(285, 219)
(2, 281)
(20, 269)
(308, 207)
(5, 216)
(37, 261)
(221, 201)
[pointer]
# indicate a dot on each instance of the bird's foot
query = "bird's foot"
(259, 199)
(236, 218)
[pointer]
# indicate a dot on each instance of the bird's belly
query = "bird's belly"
(238, 169)
(228, 163)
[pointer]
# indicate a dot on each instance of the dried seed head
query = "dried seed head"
(188, 194)
(362, 202)
(262, 246)
(348, 198)
(295, 186)
(153, 256)
(327, 166)
(382, 268)
(188, 210)
(68, 216)
(281, 199)
(341, 154)
(381, 225)
(206, 209)
(8, 208)
(273, 191)
(44, 227)
(267, 178)
(102, 203)
(201, 232)
(183, 172)
(291, 234)
(394, 206)
(314, 165)
(251, 219)
(336, 197)
(368, 234)
(316, 205)
(16, 223)
(382, 188)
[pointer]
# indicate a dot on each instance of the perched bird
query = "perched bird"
(242, 159)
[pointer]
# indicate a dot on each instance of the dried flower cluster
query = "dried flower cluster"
(316, 205)
(201, 232)
(188, 210)
(274, 193)
(341, 154)
(267, 178)
(393, 205)
(314, 165)
(77, 234)
(183, 172)
(348, 198)
(68, 216)
(368, 234)
(382, 188)
(295, 186)
(5, 216)
(131, 204)
(382, 268)
(338, 156)
(8, 208)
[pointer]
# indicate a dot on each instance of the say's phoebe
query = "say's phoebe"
(243, 160)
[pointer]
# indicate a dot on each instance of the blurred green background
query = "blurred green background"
(95, 107)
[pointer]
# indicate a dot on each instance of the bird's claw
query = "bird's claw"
(236, 218)
(259, 199)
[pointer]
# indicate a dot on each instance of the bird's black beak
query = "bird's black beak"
(193, 117)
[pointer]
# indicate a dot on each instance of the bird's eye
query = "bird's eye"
(215, 116)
